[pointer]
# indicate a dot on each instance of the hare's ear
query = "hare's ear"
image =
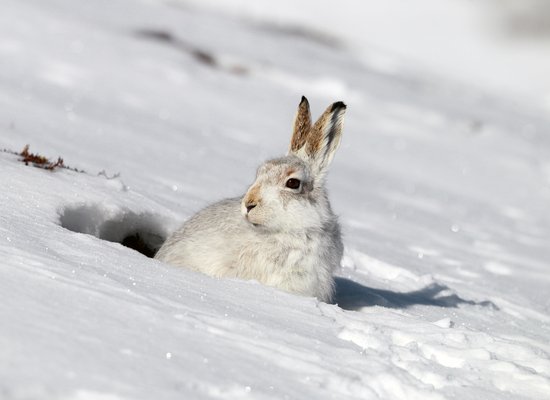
(324, 137)
(301, 127)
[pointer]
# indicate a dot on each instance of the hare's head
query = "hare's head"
(288, 193)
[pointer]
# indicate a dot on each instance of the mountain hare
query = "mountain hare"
(282, 232)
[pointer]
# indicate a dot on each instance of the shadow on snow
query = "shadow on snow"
(351, 295)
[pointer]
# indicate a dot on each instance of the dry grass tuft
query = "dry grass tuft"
(39, 161)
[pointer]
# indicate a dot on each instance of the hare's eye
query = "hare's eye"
(293, 183)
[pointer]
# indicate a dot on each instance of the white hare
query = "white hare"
(282, 232)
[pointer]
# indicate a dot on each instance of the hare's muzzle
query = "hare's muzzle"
(251, 198)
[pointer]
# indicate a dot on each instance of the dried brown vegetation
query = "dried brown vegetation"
(39, 161)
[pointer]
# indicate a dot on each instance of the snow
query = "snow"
(500, 46)
(442, 189)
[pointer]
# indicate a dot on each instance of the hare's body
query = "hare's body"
(219, 242)
(283, 232)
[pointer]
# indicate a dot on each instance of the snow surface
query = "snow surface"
(500, 46)
(442, 189)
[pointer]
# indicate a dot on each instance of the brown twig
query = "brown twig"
(39, 161)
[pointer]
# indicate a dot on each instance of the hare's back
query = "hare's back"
(208, 241)
(223, 216)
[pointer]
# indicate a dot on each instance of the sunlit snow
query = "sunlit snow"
(442, 187)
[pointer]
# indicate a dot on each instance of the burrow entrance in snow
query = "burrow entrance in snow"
(142, 232)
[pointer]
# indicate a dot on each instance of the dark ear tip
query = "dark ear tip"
(303, 100)
(339, 105)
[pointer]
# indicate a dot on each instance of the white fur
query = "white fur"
(290, 239)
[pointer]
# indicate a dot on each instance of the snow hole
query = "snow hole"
(142, 232)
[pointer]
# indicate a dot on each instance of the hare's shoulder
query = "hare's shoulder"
(213, 227)
(222, 216)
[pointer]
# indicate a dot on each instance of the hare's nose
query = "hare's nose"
(249, 207)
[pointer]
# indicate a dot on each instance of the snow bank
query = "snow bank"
(442, 192)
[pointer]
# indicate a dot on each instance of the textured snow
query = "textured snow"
(442, 190)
